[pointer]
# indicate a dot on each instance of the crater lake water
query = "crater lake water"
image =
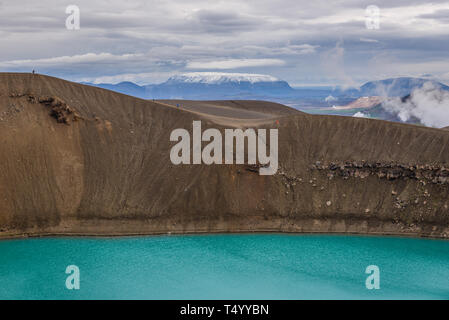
(259, 266)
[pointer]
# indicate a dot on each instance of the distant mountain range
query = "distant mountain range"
(388, 99)
(207, 86)
(126, 87)
(394, 87)
(226, 86)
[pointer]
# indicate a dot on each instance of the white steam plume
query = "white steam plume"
(429, 104)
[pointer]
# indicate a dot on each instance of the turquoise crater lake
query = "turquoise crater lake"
(259, 266)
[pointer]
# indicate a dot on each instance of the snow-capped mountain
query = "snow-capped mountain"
(208, 86)
(214, 85)
(220, 78)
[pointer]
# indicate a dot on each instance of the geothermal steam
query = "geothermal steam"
(429, 104)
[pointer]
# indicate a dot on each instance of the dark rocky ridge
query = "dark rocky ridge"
(429, 173)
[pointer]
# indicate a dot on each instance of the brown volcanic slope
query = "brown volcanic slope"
(235, 113)
(76, 159)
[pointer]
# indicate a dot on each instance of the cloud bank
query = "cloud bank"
(429, 104)
(234, 63)
(290, 39)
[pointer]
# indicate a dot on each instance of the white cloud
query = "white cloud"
(138, 78)
(369, 40)
(296, 49)
(234, 63)
(360, 115)
(330, 98)
(67, 60)
(428, 104)
(333, 64)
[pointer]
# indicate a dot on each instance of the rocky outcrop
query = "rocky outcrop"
(59, 109)
(428, 173)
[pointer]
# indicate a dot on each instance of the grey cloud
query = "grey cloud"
(440, 15)
(217, 21)
(169, 36)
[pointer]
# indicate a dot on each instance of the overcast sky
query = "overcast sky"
(303, 42)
